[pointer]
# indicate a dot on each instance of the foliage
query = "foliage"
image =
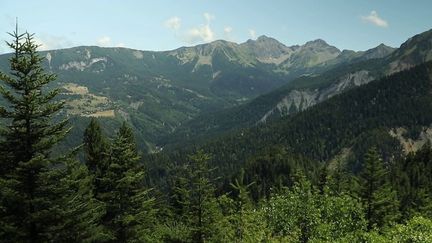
(302, 214)
(376, 192)
(417, 229)
(77, 210)
(413, 180)
(43, 198)
(360, 116)
(299, 179)
(196, 199)
(27, 141)
(130, 213)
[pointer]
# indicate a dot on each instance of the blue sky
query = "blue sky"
(169, 24)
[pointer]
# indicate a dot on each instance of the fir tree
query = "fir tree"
(376, 193)
(130, 211)
(95, 153)
(95, 147)
(79, 212)
(323, 178)
(196, 195)
(340, 181)
(248, 223)
(29, 136)
(415, 183)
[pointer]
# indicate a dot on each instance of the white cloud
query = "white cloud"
(228, 29)
(203, 33)
(104, 41)
(228, 33)
(252, 33)
(173, 23)
(374, 19)
(51, 42)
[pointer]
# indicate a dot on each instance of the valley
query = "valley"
(161, 92)
(216, 121)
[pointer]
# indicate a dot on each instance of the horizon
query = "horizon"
(149, 25)
(237, 43)
(216, 121)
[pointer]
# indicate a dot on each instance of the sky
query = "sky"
(168, 24)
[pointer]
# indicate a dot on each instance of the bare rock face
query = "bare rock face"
(416, 50)
(299, 100)
(82, 65)
(346, 82)
(409, 144)
(296, 100)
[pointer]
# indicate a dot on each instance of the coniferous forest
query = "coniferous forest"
(329, 173)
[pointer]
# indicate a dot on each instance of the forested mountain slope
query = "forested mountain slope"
(347, 124)
(307, 91)
(158, 91)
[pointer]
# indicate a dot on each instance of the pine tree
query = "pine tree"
(323, 178)
(43, 198)
(376, 193)
(130, 211)
(76, 207)
(95, 147)
(95, 153)
(248, 223)
(340, 181)
(30, 134)
(196, 195)
(415, 183)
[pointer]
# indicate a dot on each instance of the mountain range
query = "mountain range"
(213, 88)
(308, 90)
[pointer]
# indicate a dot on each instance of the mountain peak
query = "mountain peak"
(379, 51)
(418, 47)
(317, 42)
(220, 42)
(265, 47)
(215, 44)
(264, 38)
(320, 45)
(383, 45)
(422, 37)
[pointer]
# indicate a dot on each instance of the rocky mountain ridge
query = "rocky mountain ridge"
(159, 91)
(358, 68)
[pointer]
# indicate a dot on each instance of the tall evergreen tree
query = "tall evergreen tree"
(130, 211)
(42, 197)
(248, 223)
(323, 178)
(95, 154)
(196, 195)
(30, 134)
(78, 211)
(414, 181)
(95, 147)
(376, 192)
(340, 181)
